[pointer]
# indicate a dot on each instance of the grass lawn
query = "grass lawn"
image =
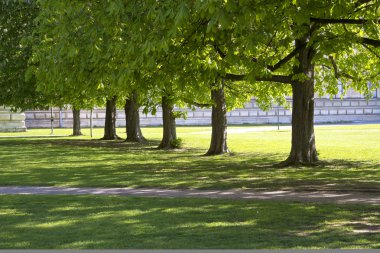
(351, 162)
(351, 154)
(85, 222)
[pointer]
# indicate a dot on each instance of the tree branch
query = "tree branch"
(335, 67)
(368, 41)
(196, 103)
(269, 67)
(286, 58)
(193, 32)
(273, 78)
(362, 40)
(361, 2)
(234, 77)
(276, 78)
(371, 50)
(336, 71)
(233, 90)
(363, 7)
(342, 21)
(220, 52)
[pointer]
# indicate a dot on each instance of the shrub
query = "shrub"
(177, 143)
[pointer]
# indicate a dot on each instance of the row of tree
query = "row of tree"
(215, 53)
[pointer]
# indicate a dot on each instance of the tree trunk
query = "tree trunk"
(219, 123)
(303, 150)
(132, 119)
(169, 126)
(76, 123)
(110, 122)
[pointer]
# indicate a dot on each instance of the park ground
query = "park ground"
(350, 157)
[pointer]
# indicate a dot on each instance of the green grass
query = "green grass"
(351, 162)
(85, 222)
(351, 156)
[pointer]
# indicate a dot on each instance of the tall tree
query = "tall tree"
(273, 46)
(17, 85)
(76, 122)
(70, 56)
(132, 117)
(110, 120)
(218, 143)
(263, 48)
(169, 134)
(176, 39)
(323, 37)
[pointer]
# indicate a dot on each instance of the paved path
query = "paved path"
(316, 196)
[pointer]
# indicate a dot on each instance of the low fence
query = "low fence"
(11, 121)
(326, 111)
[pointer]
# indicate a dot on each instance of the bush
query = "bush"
(177, 143)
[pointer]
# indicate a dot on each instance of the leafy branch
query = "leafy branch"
(371, 50)
(337, 73)
(343, 21)
(274, 78)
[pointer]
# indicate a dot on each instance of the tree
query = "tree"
(110, 121)
(18, 87)
(70, 57)
(273, 46)
(76, 123)
(172, 40)
(169, 134)
(222, 52)
(132, 118)
(326, 38)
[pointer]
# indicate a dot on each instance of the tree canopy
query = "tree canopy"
(17, 27)
(216, 53)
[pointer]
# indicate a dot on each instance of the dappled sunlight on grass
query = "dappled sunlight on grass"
(80, 222)
(350, 157)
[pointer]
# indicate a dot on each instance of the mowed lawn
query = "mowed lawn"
(351, 162)
(86, 222)
(350, 155)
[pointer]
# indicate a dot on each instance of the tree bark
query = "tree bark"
(76, 123)
(169, 126)
(303, 150)
(218, 143)
(110, 122)
(132, 118)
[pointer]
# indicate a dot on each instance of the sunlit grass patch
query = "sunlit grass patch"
(85, 222)
(350, 155)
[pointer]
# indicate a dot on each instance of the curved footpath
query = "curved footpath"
(313, 196)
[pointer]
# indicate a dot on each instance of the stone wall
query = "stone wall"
(11, 121)
(326, 111)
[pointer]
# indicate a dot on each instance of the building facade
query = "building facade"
(354, 108)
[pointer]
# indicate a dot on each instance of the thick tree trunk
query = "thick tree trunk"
(76, 123)
(218, 143)
(169, 126)
(132, 119)
(110, 122)
(303, 150)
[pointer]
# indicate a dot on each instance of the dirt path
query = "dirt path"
(316, 196)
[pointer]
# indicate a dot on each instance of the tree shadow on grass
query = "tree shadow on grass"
(120, 164)
(83, 222)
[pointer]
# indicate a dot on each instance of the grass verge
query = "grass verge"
(350, 154)
(114, 222)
